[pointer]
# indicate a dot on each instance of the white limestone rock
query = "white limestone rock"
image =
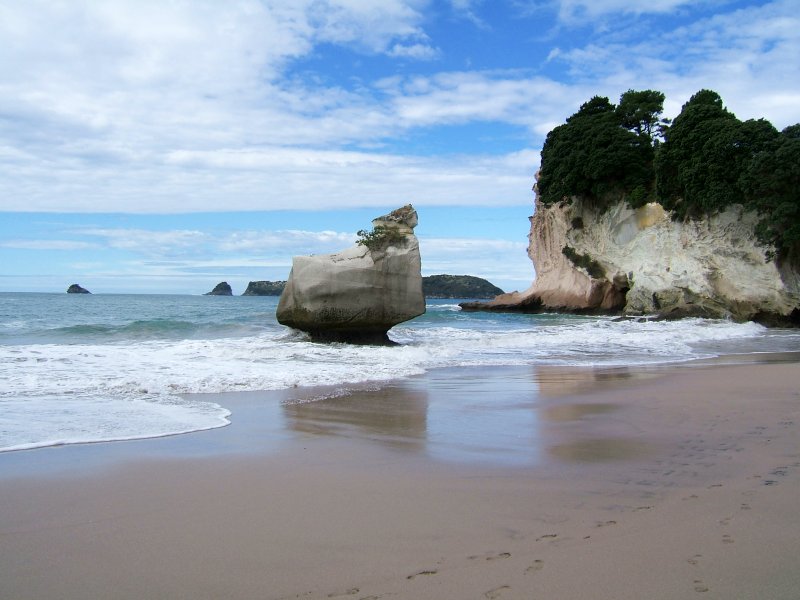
(650, 264)
(358, 294)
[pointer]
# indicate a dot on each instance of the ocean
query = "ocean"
(91, 368)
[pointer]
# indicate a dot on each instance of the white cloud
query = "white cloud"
(504, 263)
(415, 51)
(747, 55)
(188, 106)
(570, 10)
(47, 245)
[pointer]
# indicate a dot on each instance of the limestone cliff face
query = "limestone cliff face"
(640, 261)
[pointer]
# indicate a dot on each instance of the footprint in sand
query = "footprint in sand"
(745, 506)
(350, 592)
(606, 523)
(699, 586)
(547, 536)
(490, 556)
(726, 539)
(421, 573)
(496, 592)
(694, 560)
(725, 521)
(537, 565)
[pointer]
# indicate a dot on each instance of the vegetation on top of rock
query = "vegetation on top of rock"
(603, 151)
(458, 286)
(378, 237)
(264, 288)
(701, 163)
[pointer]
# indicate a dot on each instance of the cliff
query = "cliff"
(641, 262)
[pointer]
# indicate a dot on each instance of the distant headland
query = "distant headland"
(433, 286)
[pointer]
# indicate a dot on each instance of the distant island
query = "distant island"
(458, 286)
(433, 286)
(221, 289)
(76, 289)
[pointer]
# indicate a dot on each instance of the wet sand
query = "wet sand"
(674, 482)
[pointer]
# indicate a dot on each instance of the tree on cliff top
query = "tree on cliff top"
(707, 161)
(704, 153)
(602, 149)
(772, 184)
(710, 160)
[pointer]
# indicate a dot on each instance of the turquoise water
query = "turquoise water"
(77, 368)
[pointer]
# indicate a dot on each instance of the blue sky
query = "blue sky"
(163, 147)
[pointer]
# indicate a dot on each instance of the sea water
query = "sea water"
(88, 368)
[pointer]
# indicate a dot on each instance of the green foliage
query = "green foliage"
(701, 163)
(705, 151)
(710, 160)
(378, 238)
(640, 112)
(601, 149)
(771, 182)
(585, 262)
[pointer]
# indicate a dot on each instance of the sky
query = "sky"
(149, 146)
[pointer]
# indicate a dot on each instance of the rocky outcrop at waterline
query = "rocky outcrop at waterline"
(76, 289)
(358, 294)
(221, 289)
(642, 262)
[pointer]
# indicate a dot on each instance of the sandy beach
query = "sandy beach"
(509, 483)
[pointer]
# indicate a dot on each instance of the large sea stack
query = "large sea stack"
(358, 294)
(636, 215)
(642, 262)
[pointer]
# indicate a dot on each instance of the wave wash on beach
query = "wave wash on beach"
(101, 368)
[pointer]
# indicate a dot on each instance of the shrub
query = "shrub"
(378, 238)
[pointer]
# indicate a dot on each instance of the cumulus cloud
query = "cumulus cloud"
(206, 106)
(747, 55)
(47, 245)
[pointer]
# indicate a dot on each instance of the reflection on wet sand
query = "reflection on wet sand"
(600, 450)
(392, 415)
(575, 412)
(502, 415)
(566, 381)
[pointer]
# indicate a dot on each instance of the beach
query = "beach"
(673, 481)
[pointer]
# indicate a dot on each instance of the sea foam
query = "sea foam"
(141, 370)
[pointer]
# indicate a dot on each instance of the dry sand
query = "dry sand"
(624, 484)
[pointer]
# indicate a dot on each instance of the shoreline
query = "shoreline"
(605, 483)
